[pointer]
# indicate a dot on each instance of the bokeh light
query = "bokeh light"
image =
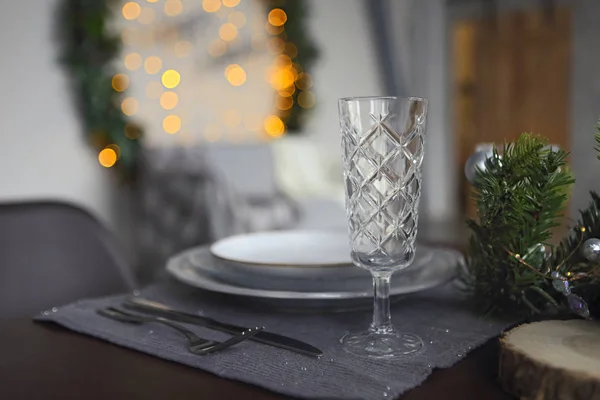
(182, 48)
(120, 82)
(107, 157)
(173, 7)
(152, 1)
(274, 126)
(237, 18)
(211, 6)
(171, 124)
(231, 118)
(129, 106)
(169, 100)
(133, 61)
(231, 3)
(284, 103)
(304, 81)
(273, 30)
(291, 50)
(152, 65)
(283, 61)
(116, 149)
(154, 90)
(235, 75)
(131, 10)
(217, 47)
(277, 17)
(306, 99)
(170, 78)
(228, 32)
(281, 78)
(288, 91)
(146, 16)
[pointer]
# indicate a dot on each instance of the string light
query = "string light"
(131, 10)
(170, 78)
(173, 7)
(217, 47)
(133, 61)
(228, 32)
(281, 79)
(237, 18)
(107, 157)
(235, 75)
(152, 65)
(306, 99)
(182, 48)
(274, 126)
(211, 6)
(146, 16)
(154, 90)
(129, 106)
(171, 124)
(169, 100)
(231, 3)
(120, 82)
(277, 17)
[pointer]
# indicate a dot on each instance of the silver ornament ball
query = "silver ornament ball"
(591, 250)
(474, 162)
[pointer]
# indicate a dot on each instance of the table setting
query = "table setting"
(287, 310)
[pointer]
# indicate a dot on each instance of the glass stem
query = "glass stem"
(382, 320)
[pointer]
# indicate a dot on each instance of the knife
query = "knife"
(269, 338)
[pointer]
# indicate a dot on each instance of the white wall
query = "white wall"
(43, 154)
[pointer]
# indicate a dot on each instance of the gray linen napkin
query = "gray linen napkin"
(439, 316)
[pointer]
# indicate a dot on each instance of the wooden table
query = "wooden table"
(45, 361)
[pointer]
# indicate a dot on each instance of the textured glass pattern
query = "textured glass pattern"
(382, 145)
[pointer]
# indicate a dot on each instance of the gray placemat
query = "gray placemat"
(439, 316)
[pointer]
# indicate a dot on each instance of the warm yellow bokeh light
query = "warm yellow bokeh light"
(152, 1)
(228, 32)
(217, 47)
(120, 82)
(235, 75)
(133, 61)
(276, 45)
(284, 103)
(253, 122)
(304, 81)
(274, 126)
(211, 6)
(152, 65)
(107, 157)
(170, 78)
(273, 30)
(237, 18)
(288, 91)
(173, 7)
(169, 100)
(283, 61)
(129, 106)
(231, 3)
(212, 132)
(231, 118)
(131, 10)
(277, 17)
(182, 48)
(146, 16)
(171, 124)
(281, 79)
(306, 99)
(154, 90)
(115, 148)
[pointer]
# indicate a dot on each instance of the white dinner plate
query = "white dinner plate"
(442, 268)
(286, 248)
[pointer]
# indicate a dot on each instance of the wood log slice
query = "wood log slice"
(552, 360)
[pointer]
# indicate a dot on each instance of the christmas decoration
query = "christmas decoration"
(511, 265)
(476, 162)
(591, 250)
(551, 360)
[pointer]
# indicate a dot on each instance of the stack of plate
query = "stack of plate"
(301, 266)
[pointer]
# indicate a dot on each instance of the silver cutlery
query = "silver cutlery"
(197, 345)
(269, 338)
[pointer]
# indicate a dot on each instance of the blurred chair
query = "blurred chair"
(53, 253)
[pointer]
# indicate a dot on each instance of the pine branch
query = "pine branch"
(598, 139)
(520, 196)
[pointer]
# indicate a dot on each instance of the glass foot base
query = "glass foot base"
(382, 345)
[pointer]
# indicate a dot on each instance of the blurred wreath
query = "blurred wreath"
(88, 52)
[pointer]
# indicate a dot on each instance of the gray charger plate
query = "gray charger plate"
(442, 268)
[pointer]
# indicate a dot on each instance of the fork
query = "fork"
(197, 345)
